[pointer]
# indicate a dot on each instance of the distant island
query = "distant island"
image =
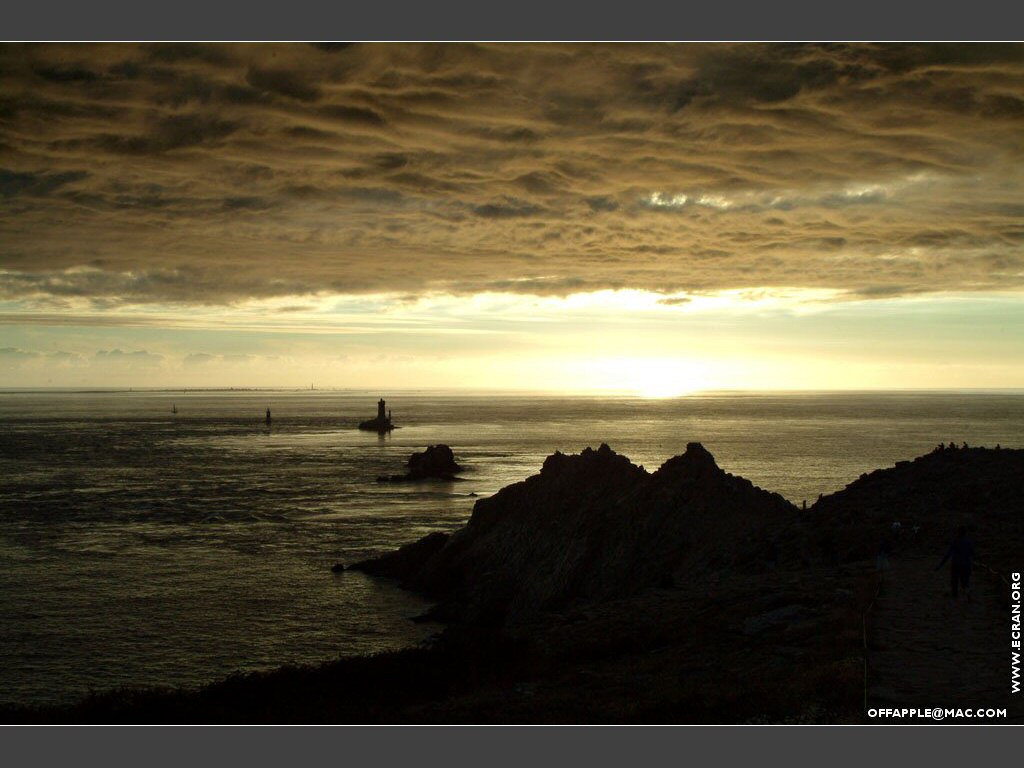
(381, 423)
(437, 462)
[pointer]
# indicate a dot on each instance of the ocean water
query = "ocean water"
(144, 548)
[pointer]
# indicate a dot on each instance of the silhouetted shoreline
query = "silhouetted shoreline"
(596, 591)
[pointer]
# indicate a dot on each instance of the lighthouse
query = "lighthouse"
(382, 424)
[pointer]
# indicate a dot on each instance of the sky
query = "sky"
(653, 219)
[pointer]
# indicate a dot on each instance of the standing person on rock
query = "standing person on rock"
(961, 553)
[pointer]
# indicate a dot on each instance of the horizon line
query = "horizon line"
(622, 393)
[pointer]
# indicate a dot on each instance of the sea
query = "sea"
(172, 538)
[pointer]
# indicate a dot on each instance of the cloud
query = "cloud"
(169, 133)
(348, 113)
(41, 184)
(204, 359)
(210, 174)
(199, 358)
(601, 204)
(332, 47)
(59, 74)
(291, 84)
(16, 356)
(66, 358)
(509, 208)
(138, 358)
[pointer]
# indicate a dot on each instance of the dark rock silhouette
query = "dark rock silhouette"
(405, 559)
(936, 493)
(381, 423)
(594, 527)
(437, 462)
(595, 591)
(589, 527)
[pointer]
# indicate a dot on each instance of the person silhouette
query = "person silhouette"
(961, 553)
(884, 550)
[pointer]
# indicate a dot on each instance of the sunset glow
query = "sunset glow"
(639, 221)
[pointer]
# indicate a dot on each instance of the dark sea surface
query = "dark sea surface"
(144, 548)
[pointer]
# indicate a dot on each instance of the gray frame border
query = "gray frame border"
(781, 20)
(511, 746)
(498, 747)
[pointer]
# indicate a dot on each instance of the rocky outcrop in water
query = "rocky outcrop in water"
(437, 462)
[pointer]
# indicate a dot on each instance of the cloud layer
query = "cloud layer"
(212, 174)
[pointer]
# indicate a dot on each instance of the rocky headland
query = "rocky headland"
(589, 528)
(596, 591)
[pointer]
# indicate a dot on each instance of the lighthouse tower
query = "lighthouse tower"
(382, 423)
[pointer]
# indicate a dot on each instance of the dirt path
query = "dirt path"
(928, 650)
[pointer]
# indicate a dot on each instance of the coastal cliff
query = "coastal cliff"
(594, 527)
(591, 527)
(596, 591)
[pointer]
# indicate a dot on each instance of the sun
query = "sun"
(661, 390)
(649, 377)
